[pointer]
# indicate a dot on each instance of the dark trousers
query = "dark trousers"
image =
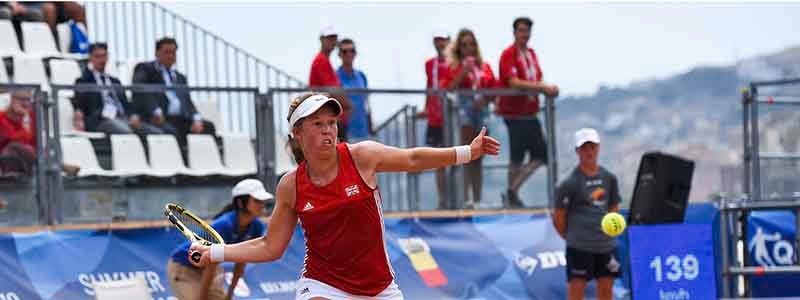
(182, 126)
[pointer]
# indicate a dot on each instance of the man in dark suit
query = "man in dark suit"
(172, 111)
(108, 111)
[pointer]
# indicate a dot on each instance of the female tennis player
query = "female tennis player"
(334, 194)
(236, 222)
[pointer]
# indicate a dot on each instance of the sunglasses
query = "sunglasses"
(347, 51)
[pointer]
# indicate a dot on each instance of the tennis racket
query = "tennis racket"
(192, 227)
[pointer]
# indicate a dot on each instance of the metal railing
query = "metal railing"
(39, 190)
(400, 130)
(131, 30)
(736, 266)
(56, 190)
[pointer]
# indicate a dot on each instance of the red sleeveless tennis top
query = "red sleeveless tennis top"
(343, 228)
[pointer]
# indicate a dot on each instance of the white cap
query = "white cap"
(251, 187)
(585, 135)
(310, 106)
(441, 34)
(327, 31)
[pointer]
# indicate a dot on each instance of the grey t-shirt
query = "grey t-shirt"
(587, 199)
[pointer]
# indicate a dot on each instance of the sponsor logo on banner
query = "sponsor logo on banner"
(419, 253)
(278, 287)
(542, 260)
(8, 296)
(782, 252)
(154, 283)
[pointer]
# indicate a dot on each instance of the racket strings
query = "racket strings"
(198, 229)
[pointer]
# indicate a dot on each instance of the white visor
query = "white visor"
(310, 106)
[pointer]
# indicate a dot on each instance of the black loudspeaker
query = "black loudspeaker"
(661, 190)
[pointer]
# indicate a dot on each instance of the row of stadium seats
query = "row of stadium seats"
(165, 159)
(37, 40)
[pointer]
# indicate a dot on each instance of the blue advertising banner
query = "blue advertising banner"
(770, 242)
(672, 262)
(484, 257)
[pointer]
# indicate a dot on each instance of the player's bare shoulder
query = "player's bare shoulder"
(366, 154)
(365, 149)
(287, 189)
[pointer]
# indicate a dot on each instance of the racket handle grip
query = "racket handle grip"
(196, 256)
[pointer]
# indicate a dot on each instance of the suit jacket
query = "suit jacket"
(91, 103)
(146, 103)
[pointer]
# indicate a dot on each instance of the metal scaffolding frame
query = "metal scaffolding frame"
(734, 212)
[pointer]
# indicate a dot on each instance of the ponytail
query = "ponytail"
(297, 152)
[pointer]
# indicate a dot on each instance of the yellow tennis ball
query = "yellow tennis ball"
(613, 224)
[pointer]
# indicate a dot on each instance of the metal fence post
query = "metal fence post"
(265, 137)
(54, 159)
(447, 136)
(746, 179)
(40, 185)
(415, 197)
(552, 166)
(754, 146)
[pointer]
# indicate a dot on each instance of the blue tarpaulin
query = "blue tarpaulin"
(483, 257)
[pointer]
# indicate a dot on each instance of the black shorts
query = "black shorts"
(526, 136)
(587, 265)
(434, 137)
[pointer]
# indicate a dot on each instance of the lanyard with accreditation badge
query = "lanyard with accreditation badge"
(530, 73)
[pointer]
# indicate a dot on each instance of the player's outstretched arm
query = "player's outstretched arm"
(267, 248)
(390, 159)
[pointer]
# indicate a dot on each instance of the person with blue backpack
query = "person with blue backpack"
(359, 125)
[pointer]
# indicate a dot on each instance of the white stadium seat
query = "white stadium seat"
(204, 156)
(128, 158)
(165, 155)
(208, 109)
(64, 72)
(79, 151)
(65, 126)
(134, 288)
(29, 70)
(64, 37)
(8, 39)
(239, 153)
(283, 160)
(38, 39)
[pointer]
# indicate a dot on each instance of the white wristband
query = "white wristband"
(463, 154)
(217, 253)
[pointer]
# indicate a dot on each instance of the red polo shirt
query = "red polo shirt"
(13, 131)
(436, 70)
(322, 74)
(513, 64)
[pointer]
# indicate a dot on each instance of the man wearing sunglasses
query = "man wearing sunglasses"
(359, 126)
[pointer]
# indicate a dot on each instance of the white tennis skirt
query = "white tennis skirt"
(308, 288)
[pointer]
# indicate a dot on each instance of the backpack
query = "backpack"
(80, 42)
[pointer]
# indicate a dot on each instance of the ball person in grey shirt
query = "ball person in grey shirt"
(582, 199)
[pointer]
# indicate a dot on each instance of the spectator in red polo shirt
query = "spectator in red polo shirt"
(468, 70)
(519, 68)
(322, 75)
(17, 138)
(435, 69)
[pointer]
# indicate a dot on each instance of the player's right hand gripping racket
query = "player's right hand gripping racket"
(192, 227)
